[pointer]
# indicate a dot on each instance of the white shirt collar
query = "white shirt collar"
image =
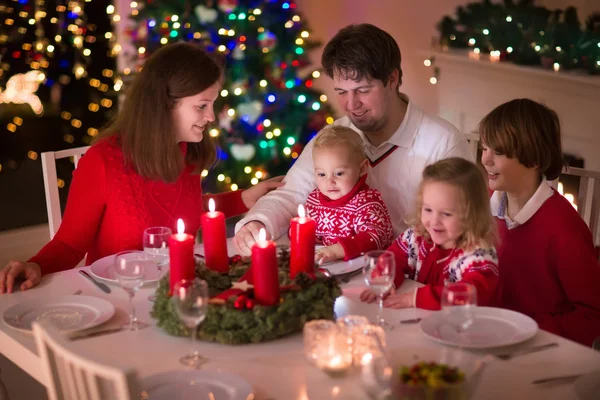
(406, 132)
(499, 205)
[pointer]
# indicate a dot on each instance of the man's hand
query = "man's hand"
(247, 236)
(17, 269)
(251, 195)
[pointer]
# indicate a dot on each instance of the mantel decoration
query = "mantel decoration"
(521, 32)
(236, 317)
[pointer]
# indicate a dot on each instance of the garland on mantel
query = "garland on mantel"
(525, 34)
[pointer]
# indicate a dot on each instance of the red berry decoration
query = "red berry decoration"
(250, 304)
(240, 302)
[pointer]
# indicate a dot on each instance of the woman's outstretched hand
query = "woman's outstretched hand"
(250, 196)
(31, 272)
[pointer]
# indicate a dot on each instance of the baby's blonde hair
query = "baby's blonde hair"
(335, 135)
(479, 225)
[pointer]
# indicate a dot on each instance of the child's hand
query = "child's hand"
(404, 300)
(369, 296)
(329, 253)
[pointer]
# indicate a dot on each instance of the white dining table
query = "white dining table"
(278, 369)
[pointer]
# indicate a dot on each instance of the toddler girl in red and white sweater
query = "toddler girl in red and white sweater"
(351, 217)
(451, 238)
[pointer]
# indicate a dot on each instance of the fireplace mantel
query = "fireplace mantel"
(468, 89)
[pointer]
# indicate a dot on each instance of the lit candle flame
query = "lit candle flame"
(262, 237)
(211, 205)
(180, 226)
(301, 212)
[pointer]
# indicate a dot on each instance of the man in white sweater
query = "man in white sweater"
(400, 138)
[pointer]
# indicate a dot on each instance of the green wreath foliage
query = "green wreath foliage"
(303, 299)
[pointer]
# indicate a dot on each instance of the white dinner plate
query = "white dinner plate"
(66, 313)
(194, 385)
(492, 327)
(104, 269)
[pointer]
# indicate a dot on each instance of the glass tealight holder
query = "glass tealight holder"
(316, 333)
(368, 343)
(333, 355)
(352, 325)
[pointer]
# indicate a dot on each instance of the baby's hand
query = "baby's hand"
(403, 300)
(329, 253)
(369, 296)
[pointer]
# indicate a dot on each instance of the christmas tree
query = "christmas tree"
(57, 85)
(267, 109)
(56, 62)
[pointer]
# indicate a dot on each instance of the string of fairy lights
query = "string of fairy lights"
(234, 44)
(60, 50)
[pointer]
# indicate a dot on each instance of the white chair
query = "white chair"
(73, 377)
(50, 183)
(473, 140)
(588, 198)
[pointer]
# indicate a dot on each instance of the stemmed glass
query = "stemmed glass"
(458, 303)
(379, 272)
(156, 245)
(130, 267)
(190, 300)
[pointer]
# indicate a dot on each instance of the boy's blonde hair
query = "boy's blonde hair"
(528, 131)
(479, 225)
(335, 135)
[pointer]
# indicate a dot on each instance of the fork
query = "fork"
(522, 352)
(562, 379)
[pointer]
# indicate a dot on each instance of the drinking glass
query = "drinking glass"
(379, 272)
(156, 245)
(459, 300)
(190, 300)
(130, 267)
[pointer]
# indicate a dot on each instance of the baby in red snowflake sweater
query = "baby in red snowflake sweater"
(351, 217)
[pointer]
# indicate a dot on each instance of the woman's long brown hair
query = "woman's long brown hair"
(144, 125)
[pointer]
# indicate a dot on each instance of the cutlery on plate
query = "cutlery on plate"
(346, 277)
(563, 379)
(85, 335)
(521, 352)
(411, 321)
(101, 285)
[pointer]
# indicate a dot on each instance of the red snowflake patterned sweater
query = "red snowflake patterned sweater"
(359, 221)
(420, 259)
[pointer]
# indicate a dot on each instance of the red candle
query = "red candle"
(302, 243)
(214, 237)
(265, 273)
(181, 256)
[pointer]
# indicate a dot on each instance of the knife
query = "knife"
(101, 285)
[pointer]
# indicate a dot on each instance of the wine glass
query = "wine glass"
(459, 300)
(130, 267)
(156, 245)
(379, 272)
(190, 300)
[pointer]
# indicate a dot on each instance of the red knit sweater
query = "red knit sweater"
(110, 205)
(420, 259)
(548, 270)
(358, 221)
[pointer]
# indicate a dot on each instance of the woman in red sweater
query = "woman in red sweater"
(143, 169)
(548, 266)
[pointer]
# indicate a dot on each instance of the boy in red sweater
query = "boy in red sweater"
(451, 238)
(351, 217)
(548, 266)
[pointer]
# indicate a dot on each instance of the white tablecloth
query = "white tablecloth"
(278, 370)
